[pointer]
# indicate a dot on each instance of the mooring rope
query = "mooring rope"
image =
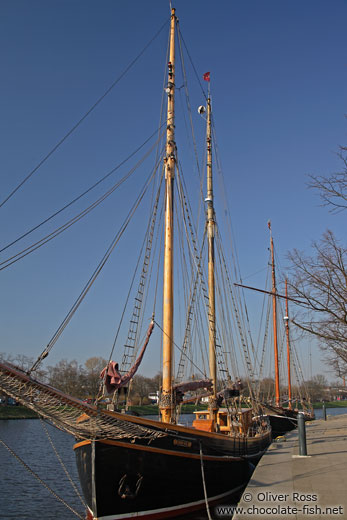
(204, 484)
(40, 480)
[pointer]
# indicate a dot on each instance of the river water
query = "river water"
(22, 496)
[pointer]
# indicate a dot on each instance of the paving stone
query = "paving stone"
(315, 485)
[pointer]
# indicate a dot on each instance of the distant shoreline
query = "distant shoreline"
(330, 404)
(16, 412)
(21, 412)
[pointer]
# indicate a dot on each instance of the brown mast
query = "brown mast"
(274, 314)
(211, 267)
(286, 319)
(166, 405)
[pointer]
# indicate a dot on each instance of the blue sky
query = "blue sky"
(279, 71)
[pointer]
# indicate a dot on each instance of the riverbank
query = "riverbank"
(151, 409)
(16, 412)
(330, 404)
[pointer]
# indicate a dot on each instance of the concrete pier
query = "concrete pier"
(288, 486)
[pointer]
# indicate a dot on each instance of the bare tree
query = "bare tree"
(19, 360)
(333, 189)
(67, 376)
(24, 363)
(141, 387)
(91, 375)
(316, 388)
(320, 282)
(266, 388)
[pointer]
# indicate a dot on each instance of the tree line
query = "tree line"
(83, 381)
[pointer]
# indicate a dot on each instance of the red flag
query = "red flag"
(206, 76)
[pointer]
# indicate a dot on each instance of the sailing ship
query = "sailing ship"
(282, 419)
(137, 467)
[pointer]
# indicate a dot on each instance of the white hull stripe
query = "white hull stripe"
(166, 509)
(281, 417)
(284, 417)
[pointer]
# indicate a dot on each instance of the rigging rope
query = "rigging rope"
(30, 249)
(92, 279)
(225, 329)
(62, 463)
(190, 309)
(235, 263)
(266, 332)
(131, 346)
(85, 192)
(162, 122)
(195, 255)
(89, 111)
(127, 300)
(192, 64)
(236, 311)
(179, 348)
(185, 83)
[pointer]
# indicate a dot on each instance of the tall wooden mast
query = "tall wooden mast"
(166, 405)
(274, 314)
(211, 266)
(286, 320)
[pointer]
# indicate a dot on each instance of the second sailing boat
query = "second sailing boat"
(282, 419)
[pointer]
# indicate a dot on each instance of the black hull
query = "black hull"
(281, 424)
(163, 478)
(283, 420)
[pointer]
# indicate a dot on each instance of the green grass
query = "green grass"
(152, 409)
(145, 409)
(16, 412)
(21, 412)
(331, 404)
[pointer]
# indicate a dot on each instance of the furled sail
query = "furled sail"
(111, 375)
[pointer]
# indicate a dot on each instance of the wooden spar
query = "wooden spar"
(211, 268)
(286, 318)
(271, 293)
(166, 406)
(274, 314)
